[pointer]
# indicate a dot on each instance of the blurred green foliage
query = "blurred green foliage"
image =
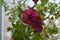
(1, 2)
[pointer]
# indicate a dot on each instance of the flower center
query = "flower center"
(30, 16)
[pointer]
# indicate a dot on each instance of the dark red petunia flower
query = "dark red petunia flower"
(35, 1)
(32, 17)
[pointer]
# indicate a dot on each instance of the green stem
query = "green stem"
(34, 5)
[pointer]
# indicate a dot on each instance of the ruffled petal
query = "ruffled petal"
(32, 17)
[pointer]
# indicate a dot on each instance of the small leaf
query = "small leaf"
(54, 30)
(52, 9)
(40, 10)
(9, 29)
(1, 2)
(6, 8)
(44, 2)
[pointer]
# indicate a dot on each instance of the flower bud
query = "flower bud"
(35, 1)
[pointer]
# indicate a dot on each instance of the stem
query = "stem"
(34, 5)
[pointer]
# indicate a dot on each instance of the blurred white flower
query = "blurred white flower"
(48, 23)
(57, 22)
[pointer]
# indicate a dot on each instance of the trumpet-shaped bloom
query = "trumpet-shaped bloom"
(32, 17)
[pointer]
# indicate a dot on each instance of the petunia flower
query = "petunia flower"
(35, 1)
(32, 17)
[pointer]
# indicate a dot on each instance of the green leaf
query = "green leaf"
(54, 30)
(39, 7)
(44, 2)
(7, 14)
(55, 5)
(6, 7)
(40, 11)
(9, 29)
(36, 36)
(45, 9)
(42, 15)
(1, 2)
(11, 19)
(57, 15)
(52, 7)
(52, 10)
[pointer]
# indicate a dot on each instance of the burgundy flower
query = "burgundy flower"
(31, 17)
(35, 1)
